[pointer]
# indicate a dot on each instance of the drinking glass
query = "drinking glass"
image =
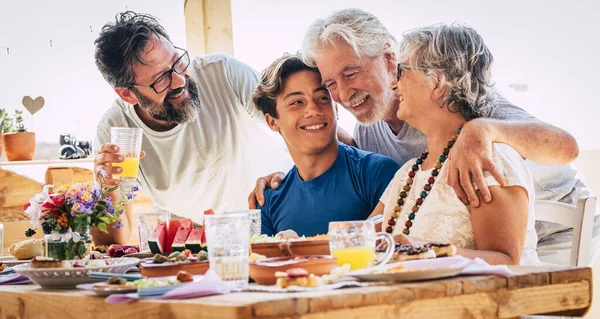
(146, 223)
(228, 240)
(353, 242)
(129, 141)
(255, 220)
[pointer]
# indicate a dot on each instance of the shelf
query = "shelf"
(57, 162)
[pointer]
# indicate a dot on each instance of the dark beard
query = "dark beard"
(167, 112)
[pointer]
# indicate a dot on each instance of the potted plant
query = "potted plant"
(19, 145)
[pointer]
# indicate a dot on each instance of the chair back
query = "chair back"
(580, 217)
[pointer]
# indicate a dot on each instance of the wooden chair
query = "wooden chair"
(580, 217)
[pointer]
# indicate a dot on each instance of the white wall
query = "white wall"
(550, 46)
(65, 74)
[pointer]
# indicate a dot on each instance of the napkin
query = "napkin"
(13, 279)
(211, 284)
(481, 267)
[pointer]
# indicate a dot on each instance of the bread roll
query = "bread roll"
(27, 249)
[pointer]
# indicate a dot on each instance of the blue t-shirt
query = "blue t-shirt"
(349, 190)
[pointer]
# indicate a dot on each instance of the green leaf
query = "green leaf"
(102, 227)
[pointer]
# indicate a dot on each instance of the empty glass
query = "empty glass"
(146, 223)
(255, 220)
(228, 240)
(353, 243)
(129, 141)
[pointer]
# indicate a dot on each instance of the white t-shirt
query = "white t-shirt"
(444, 218)
(214, 161)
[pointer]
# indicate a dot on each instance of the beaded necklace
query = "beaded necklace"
(404, 192)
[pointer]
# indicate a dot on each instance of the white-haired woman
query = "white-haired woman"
(443, 81)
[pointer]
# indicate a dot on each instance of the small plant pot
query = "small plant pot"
(19, 146)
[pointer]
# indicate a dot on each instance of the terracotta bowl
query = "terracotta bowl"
(149, 269)
(263, 271)
(292, 248)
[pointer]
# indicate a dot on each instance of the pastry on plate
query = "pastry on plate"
(46, 262)
(442, 250)
(408, 252)
(297, 277)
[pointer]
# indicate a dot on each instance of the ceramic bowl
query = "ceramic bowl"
(149, 269)
(263, 271)
(292, 248)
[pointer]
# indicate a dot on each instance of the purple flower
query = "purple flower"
(118, 224)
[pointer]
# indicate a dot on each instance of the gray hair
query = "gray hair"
(458, 59)
(361, 30)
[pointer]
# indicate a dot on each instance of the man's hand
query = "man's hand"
(273, 181)
(288, 234)
(107, 155)
(468, 158)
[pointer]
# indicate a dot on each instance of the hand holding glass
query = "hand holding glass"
(129, 141)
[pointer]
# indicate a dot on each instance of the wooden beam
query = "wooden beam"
(208, 26)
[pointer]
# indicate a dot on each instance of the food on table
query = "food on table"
(184, 276)
(180, 235)
(159, 259)
(336, 274)
(46, 262)
(115, 251)
(408, 252)
(194, 242)
(147, 283)
(101, 249)
(158, 239)
(395, 269)
(202, 255)
(1, 267)
(27, 249)
(184, 230)
(297, 277)
(117, 281)
(173, 226)
(442, 250)
(177, 256)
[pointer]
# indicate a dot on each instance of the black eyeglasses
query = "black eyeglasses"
(164, 81)
(402, 65)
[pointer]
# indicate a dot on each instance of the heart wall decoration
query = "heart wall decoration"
(33, 106)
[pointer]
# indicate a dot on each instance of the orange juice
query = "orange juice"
(357, 257)
(130, 167)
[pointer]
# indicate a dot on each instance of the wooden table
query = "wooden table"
(527, 291)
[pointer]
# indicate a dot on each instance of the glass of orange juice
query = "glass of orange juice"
(353, 242)
(129, 141)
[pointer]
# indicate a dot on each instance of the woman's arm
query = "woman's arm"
(500, 226)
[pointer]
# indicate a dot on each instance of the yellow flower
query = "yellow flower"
(89, 187)
(86, 196)
(76, 207)
(67, 186)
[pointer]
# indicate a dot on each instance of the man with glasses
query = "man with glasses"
(203, 144)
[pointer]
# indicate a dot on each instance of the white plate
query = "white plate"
(70, 277)
(426, 269)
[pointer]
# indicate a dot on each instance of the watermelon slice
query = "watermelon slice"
(171, 232)
(158, 239)
(203, 234)
(184, 230)
(193, 241)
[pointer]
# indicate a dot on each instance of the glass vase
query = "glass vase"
(69, 250)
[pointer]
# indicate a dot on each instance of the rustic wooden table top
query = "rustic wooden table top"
(530, 290)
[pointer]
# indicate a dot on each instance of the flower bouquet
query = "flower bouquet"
(67, 215)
